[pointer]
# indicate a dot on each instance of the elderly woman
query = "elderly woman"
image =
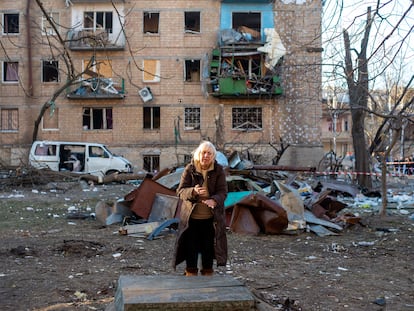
(202, 228)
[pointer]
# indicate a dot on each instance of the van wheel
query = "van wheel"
(111, 172)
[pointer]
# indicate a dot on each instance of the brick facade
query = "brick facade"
(295, 116)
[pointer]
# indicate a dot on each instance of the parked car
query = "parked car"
(82, 157)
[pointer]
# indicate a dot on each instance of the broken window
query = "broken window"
(97, 20)
(247, 118)
(151, 163)
(192, 118)
(192, 70)
(152, 118)
(9, 119)
(47, 29)
(192, 22)
(151, 72)
(248, 24)
(11, 23)
(10, 71)
(50, 71)
(97, 118)
(151, 22)
(50, 119)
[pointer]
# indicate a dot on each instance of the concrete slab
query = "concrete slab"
(169, 292)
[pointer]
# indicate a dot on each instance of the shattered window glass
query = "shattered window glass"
(151, 22)
(97, 20)
(50, 71)
(192, 70)
(192, 22)
(248, 24)
(247, 118)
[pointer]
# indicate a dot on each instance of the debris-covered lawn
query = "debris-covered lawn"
(55, 255)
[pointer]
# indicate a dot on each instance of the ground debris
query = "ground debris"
(81, 247)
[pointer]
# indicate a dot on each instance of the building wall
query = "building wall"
(294, 116)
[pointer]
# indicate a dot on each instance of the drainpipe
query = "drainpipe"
(29, 49)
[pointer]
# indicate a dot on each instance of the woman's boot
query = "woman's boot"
(191, 272)
(207, 272)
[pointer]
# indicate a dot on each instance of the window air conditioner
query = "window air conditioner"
(145, 94)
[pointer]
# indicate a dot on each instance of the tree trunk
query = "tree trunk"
(358, 95)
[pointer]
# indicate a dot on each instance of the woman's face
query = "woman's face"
(206, 158)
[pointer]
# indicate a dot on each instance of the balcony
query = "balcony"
(97, 88)
(239, 71)
(101, 39)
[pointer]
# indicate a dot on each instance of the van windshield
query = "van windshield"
(108, 151)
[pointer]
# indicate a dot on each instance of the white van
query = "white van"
(82, 157)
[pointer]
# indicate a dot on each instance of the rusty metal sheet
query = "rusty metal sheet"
(267, 214)
(143, 197)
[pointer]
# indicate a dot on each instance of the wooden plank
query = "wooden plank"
(147, 228)
(166, 292)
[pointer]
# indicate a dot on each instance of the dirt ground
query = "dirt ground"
(52, 262)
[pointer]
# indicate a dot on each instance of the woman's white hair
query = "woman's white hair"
(203, 146)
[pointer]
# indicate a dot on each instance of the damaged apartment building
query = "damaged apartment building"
(151, 79)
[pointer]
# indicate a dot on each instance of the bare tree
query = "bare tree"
(358, 95)
(72, 77)
(384, 40)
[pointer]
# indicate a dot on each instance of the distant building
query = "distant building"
(164, 75)
(336, 124)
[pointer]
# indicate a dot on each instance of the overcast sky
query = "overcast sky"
(351, 15)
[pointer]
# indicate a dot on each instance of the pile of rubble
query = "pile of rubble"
(283, 201)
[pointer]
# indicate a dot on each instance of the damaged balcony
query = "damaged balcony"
(97, 88)
(98, 39)
(245, 68)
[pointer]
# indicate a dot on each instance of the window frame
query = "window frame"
(5, 28)
(252, 125)
(5, 68)
(151, 120)
(47, 29)
(146, 25)
(154, 160)
(191, 26)
(189, 66)
(9, 116)
(52, 68)
(192, 118)
(106, 25)
(106, 118)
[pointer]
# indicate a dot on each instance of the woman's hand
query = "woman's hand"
(210, 202)
(199, 190)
